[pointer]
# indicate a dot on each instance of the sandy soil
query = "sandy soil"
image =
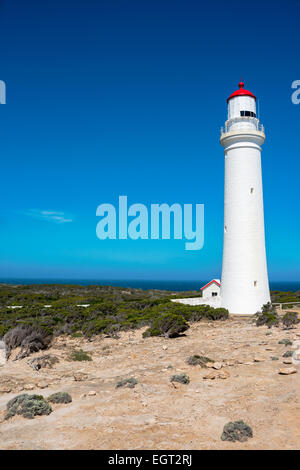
(156, 414)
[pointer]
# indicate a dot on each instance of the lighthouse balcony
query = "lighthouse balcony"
(242, 125)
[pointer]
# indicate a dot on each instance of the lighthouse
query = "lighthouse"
(244, 282)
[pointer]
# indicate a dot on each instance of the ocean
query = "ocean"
(179, 286)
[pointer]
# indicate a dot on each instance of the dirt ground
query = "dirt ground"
(157, 414)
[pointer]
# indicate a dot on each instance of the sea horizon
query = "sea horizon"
(172, 285)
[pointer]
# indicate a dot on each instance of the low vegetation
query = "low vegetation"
(28, 338)
(47, 361)
(28, 406)
(60, 397)
(80, 355)
(290, 319)
(285, 341)
(52, 310)
(268, 316)
(198, 360)
(131, 382)
(181, 378)
(285, 297)
(288, 353)
(236, 431)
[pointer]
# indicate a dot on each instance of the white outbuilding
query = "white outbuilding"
(211, 289)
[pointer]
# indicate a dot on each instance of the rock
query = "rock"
(230, 363)
(42, 385)
(92, 393)
(2, 357)
(46, 361)
(5, 389)
(165, 348)
(224, 374)
(288, 371)
(29, 386)
(211, 375)
(258, 359)
(215, 374)
(79, 377)
(287, 361)
(217, 365)
(296, 344)
(296, 357)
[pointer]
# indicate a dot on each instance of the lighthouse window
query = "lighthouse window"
(255, 283)
(251, 190)
(214, 294)
(248, 113)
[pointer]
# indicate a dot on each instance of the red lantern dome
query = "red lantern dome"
(241, 92)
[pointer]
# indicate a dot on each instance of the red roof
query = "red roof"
(241, 92)
(206, 285)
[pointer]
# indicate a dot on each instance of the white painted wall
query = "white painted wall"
(244, 282)
(240, 103)
(207, 292)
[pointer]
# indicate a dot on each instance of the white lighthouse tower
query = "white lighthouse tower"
(244, 283)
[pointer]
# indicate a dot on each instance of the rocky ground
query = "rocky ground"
(157, 414)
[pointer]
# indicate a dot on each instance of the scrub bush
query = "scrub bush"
(198, 360)
(28, 338)
(169, 325)
(236, 431)
(80, 355)
(28, 406)
(290, 319)
(129, 383)
(268, 316)
(181, 378)
(60, 397)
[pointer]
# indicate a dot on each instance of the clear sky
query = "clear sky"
(109, 98)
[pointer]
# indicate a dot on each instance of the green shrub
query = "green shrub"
(288, 354)
(181, 378)
(170, 325)
(290, 319)
(80, 355)
(3, 330)
(198, 360)
(285, 341)
(268, 316)
(60, 397)
(129, 383)
(236, 431)
(77, 334)
(28, 406)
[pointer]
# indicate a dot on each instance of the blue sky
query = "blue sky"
(109, 98)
